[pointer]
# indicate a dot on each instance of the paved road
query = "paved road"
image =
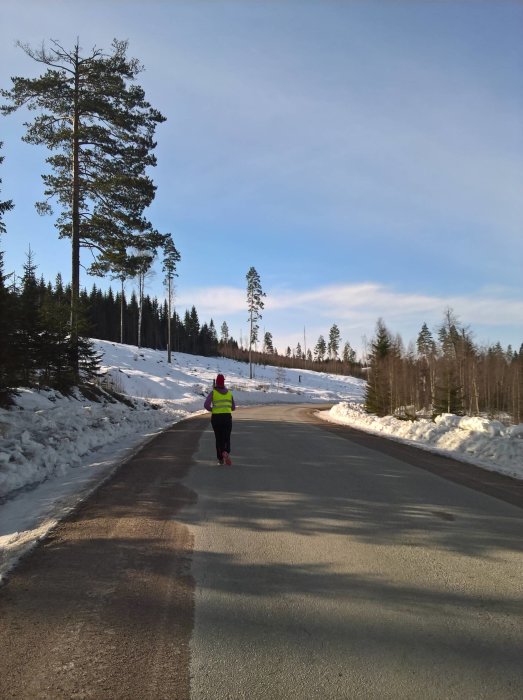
(323, 564)
(103, 608)
(325, 569)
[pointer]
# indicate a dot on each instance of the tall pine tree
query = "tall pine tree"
(170, 260)
(100, 128)
(255, 296)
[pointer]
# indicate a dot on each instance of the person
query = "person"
(220, 402)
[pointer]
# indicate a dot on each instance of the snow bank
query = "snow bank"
(487, 443)
(49, 434)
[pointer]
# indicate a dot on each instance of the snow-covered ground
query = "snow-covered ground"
(55, 450)
(485, 443)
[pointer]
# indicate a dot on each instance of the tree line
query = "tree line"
(35, 329)
(447, 373)
(37, 349)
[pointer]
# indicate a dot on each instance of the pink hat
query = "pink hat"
(220, 380)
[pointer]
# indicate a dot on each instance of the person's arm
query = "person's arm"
(233, 404)
(208, 402)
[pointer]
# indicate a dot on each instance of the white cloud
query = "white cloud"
(213, 301)
(356, 308)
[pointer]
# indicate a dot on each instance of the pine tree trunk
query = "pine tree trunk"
(140, 307)
(75, 223)
(250, 349)
(121, 314)
(169, 360)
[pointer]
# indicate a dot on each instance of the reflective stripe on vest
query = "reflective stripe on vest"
(221, 403)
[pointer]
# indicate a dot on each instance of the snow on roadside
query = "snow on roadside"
(486, 443)
(50, 433)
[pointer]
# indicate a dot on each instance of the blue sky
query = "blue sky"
(365, 157)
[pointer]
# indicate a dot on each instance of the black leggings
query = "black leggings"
(222, 426)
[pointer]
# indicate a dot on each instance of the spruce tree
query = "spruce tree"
(426, 347)
(378, 390)
(27, 340)
(191, 332)
(54, 356)
(425, 343)
(268, 346)
(320, 349)
(448, 392)
(100, 128)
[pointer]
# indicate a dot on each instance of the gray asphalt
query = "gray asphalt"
(327, 569)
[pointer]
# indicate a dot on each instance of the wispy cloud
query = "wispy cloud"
(356, 308)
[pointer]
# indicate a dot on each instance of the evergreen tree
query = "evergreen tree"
(448, 392)
(255, 296)
(320, 349)
(29, 328)
(54, 355)
(101, 129)
(170, 260)
(224, 333)
(349, 355)
(425, 343)
(213, 334)
(334, 342)
(131, 323)
(192, 331)
(207, 341)
(426, 347)
(268, 346)
(378, 390)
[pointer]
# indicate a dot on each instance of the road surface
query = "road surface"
(323, 564)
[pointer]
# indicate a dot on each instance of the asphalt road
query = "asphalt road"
(328, 569)
(323, 564)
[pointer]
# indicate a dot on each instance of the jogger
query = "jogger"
(220, 402)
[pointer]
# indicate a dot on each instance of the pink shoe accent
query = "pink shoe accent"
(227, 458)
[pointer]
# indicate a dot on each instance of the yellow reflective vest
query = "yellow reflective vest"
(221, 403)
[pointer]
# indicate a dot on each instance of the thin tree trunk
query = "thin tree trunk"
(169, 322)
(250, 348)
(140, 306)
(121, 313)
(75, 221)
